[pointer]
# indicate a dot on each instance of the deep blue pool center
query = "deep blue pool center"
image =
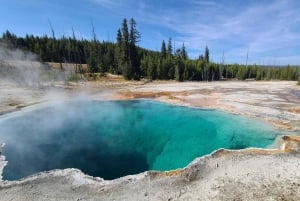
(110, 139)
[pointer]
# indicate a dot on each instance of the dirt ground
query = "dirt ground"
(224, 175)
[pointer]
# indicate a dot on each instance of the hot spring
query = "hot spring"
(110, 139)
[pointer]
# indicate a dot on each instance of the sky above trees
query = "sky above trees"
(269, 30)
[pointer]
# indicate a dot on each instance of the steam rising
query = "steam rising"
(108, 139)
(23, 79)
(24, 69)
(67, 135)
(112, 139)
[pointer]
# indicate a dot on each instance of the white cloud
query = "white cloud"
(259, 27)
(262, 27)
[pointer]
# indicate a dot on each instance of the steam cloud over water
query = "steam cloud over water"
(24, 69)
(112, 139)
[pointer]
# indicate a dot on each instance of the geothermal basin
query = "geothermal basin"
(110, 139)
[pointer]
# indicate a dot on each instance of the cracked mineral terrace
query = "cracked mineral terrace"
(249, 174)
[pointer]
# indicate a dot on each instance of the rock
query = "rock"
(247, 171)
(2, 161)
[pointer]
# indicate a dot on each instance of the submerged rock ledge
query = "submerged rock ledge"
(263, 174)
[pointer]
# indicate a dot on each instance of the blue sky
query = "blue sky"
(269, 30)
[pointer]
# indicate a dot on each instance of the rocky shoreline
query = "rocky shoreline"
(2, 161)
(263, 174)
(260, 174)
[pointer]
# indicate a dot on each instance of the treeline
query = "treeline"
(133, 62)
(99, 55)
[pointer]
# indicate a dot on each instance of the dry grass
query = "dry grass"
(65, 66)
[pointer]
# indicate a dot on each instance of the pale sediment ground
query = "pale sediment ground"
(224, 175)
(275, 102)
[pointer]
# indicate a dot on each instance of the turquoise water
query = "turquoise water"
(116, 138)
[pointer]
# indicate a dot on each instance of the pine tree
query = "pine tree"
(92, 63)
(126, 67)
(201, 57)
(163, 50)
(170, 49)
(159, 68)
(170, 67)
(185, 73)
(119, 56)
(134, 37)
(9, 39)
(183, 52)
(206, 55)
(151, 70)
(179, 67)
(125, 39)
(206, 63)
(144, 65)
(126, 57)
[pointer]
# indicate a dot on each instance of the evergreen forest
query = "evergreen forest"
(125, 57)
